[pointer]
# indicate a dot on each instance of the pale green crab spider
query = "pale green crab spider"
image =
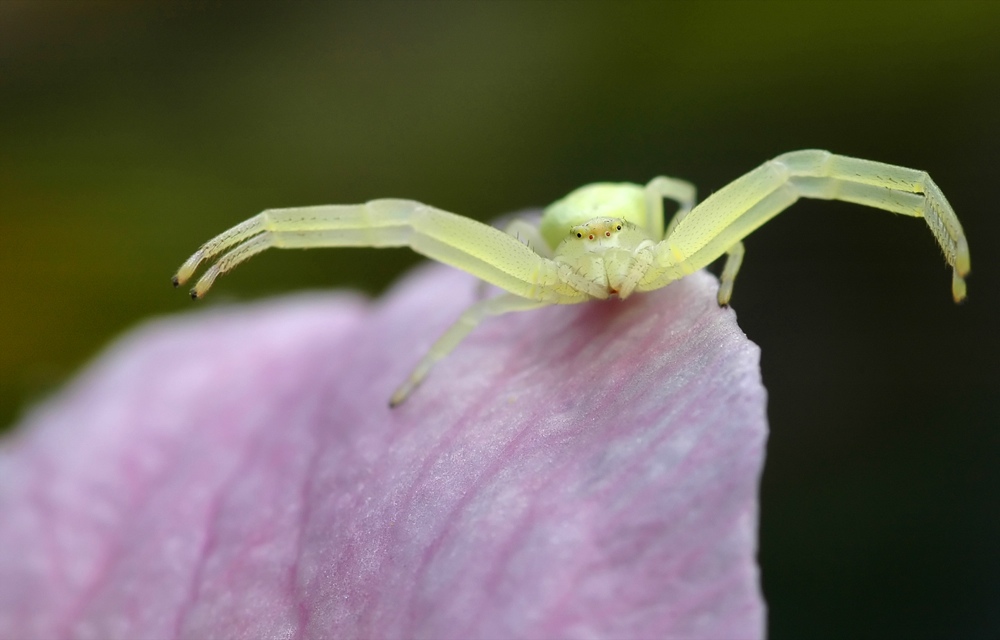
(602, 240)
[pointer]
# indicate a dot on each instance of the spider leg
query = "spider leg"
(468, 321)
(680, 191)
(528, 234)
(476, 248)
(734, 258)
(730, 214)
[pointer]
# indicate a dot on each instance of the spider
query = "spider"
(602, 240)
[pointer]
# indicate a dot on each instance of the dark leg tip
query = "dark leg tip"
(174, 281)
(194, 294)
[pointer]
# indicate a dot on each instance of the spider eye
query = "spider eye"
(607, 234)
(579, 235)
(619, 227)
(591, 236)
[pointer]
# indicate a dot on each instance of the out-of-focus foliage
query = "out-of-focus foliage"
(131, 132)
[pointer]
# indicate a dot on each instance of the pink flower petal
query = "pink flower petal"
(586, 471)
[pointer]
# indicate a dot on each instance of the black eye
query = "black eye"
(619, 227)
(579, 235)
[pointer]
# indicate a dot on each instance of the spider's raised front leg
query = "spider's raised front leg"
(720, 222)
(471, 246)
(527, 234)
(684, 194)
(490, 254)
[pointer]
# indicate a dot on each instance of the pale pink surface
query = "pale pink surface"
(587, 471)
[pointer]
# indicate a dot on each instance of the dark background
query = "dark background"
(131, 132)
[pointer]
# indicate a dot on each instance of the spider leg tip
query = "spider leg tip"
(958, 288)
(397, 399)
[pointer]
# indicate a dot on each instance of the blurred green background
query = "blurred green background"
(131, 132)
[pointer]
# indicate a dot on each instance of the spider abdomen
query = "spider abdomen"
(622, 200)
